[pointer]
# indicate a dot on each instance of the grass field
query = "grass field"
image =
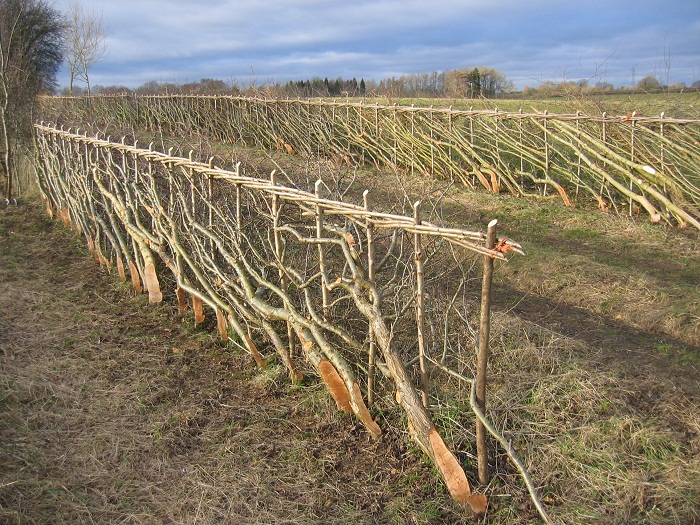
(679, 105)
(112, 410)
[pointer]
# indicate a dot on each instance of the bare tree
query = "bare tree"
(31, 45)
(86, 43)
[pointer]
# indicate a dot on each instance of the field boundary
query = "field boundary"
(343, 286)
(629, 163)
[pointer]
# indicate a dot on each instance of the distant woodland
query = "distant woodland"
(475, 82)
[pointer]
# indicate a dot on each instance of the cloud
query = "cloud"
(295, 39)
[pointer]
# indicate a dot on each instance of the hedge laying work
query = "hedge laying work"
(373, 303)
(629, 164)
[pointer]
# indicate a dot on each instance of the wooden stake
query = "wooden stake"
(483, 354)
(632, 160)
(371, 360)
(321, 257)
(238, 207)
(210, 203)
(420, 308)
(278, 253)
(546, 151)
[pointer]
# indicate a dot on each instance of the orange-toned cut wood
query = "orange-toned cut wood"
(494, 181)
(64, 215)
(262, 363)
(152, 284)
(101, 258)
(120, 268)
(135, 279)
(91, 247)
(361, 411)
(454, 476)
(335, 385)
(221, 325)
(483, 180)
(198, 308)
(350, 239)
(181, 301)
(562, 194)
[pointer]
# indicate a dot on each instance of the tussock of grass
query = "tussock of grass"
(599, 457)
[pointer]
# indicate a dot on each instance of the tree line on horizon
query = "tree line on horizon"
(476, 82)
(464, 82)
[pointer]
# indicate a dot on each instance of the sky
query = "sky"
(530, 41)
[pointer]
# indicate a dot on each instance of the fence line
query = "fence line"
(632, 162)
(286, 271)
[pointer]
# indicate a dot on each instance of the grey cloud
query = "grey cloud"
(293, 39)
